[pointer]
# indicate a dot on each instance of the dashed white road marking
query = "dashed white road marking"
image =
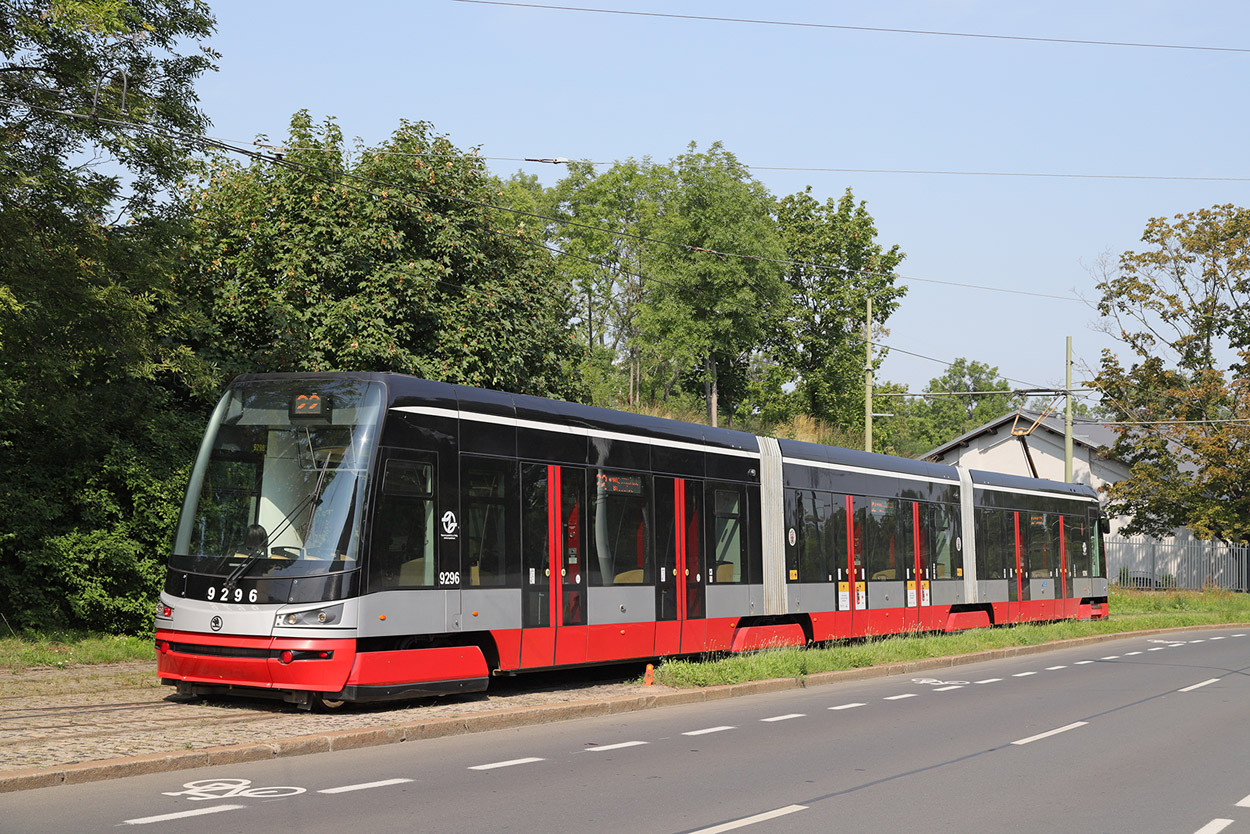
(949, 688)
(1023, 674)
(1198, 685)
(847, 706)
(1154, 649)
(1214, 826)
(900, 697)
(990, 680)
(1083, 662)
(198, 812)
(1221, 637)
(1131, 654)
(364, 786)
(784, 717)
(1053, 668)
(604, 747)
(509, 763)
(1199, 640)
(1116, 656)
(709, 730)
(742, 823)
(1050, 733)
(1245, 803)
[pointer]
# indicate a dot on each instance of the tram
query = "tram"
(360, 537)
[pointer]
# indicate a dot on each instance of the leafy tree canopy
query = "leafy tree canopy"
(387, 259)
(94, 372)
(709, 312)
(835, 265)
(1180, 308)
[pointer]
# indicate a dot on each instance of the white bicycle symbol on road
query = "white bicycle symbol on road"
(226, 788)
(936, 682)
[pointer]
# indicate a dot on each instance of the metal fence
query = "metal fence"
(1141, 562)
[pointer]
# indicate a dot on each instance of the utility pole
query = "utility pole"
(868, 383)
(1067, 418)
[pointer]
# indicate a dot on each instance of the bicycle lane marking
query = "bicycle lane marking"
(226, 788)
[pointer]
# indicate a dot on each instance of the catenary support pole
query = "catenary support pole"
(1067, 419)
(868, 383)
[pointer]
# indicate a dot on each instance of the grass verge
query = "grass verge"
(1130, 611)
(62, 649)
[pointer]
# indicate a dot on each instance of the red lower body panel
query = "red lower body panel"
(229, 660)
(752, 638)
(418, 666)
(960, 620)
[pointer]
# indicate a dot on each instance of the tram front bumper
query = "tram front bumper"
(281, 663)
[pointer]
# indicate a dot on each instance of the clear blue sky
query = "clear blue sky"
(532, 82)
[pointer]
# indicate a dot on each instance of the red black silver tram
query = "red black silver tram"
(356, 537)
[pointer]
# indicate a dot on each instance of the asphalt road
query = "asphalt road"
(1144, 734)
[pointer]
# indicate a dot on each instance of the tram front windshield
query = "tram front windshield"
(279, 483)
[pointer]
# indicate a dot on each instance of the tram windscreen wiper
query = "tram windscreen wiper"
(243, 567)
(258, 550)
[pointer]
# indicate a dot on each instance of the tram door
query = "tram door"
(916, 597)
(1018, 582)
(554, 601)
(679, 588)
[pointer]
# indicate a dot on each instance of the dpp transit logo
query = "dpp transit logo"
(450, 525)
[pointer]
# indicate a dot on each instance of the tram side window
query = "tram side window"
(1041, 543)
(797, 508)
(1076, 545)
(402, 545)
(812, 555)
(1097, 566)
(729, 541)
(886, 544)
(621, 539)
(827, 549)
(490, 556)
(940, 537)
(996, 543)
(535, 532)
(835, 537)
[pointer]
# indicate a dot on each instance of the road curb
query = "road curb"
(508, 718)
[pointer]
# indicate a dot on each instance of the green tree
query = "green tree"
(391, 262)
(1179, 307)
(951, 410)
(835, 266)
(709, 313)
(96, 380)
(603, 222)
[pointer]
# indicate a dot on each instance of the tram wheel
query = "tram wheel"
(320, 703)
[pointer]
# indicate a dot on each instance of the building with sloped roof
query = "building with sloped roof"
(993, 447)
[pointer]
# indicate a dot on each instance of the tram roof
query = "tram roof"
(407, 390)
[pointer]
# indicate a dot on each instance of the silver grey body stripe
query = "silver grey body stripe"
(581, 431)
(863, 470)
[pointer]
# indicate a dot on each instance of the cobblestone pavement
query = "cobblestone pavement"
(52, 717)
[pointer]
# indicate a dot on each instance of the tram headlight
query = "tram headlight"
(317, 616)
(164, 612)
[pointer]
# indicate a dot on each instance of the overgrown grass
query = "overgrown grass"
(59, 650)
(1130, 611)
